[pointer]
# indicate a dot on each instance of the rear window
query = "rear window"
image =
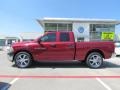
(64, 37)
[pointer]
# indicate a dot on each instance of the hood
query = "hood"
(22, 43)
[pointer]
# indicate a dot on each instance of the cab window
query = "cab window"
(64, 37)
(50, 37)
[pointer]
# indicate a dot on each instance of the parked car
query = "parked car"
(60, 47)
(117, 48)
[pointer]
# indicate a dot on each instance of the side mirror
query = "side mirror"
(39, 40)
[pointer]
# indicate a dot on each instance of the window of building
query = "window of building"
(50, 26)
(69, 27)
(2, 42)
(80, 39)
(62, 27)
(64, 37)
(50, 37)
(58, 27)
(97, 29)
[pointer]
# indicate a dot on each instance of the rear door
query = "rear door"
(66, 46)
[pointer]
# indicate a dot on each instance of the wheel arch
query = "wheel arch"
(95, 50)
(24, 51)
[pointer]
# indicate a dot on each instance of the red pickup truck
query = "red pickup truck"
(60, 47)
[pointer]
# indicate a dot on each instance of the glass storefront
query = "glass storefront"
(50, 26)
(98, 31)
(58, 27)
(2, 42)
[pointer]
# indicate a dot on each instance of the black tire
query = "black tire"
(23, 60)
(94, 60)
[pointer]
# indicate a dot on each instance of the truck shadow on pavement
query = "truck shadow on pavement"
(53, 65)
(56, 65)
(4, 86)
(110, 65)
(106, 64)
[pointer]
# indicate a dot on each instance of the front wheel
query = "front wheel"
(94, 60)
(22, 60)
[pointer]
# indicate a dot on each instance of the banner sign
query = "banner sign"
(107, 36)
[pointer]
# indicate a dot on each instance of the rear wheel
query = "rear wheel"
(94, 60)
(23, 60)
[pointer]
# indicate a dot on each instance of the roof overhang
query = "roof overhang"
(77, 20)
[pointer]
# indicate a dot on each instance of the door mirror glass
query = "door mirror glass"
(44, 38)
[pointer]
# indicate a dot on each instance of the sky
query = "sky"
(18, 16)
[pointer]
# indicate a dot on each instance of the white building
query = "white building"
(7, 40)
(84, 29)
(29, 36)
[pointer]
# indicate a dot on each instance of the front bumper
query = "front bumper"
(10, 56)
(10, 53)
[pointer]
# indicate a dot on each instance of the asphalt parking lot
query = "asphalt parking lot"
(59, 76)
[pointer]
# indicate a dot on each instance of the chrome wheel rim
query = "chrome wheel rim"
(22, 60)
(95, 61)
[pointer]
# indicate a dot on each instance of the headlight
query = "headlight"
(9, 49)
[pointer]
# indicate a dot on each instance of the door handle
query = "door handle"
(53, 45)
(71, 46)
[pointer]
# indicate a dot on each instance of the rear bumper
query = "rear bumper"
(117, 51)
(113, 55)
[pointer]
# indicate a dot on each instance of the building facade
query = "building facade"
(29, 36)
(83, 29)
(7, 41)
